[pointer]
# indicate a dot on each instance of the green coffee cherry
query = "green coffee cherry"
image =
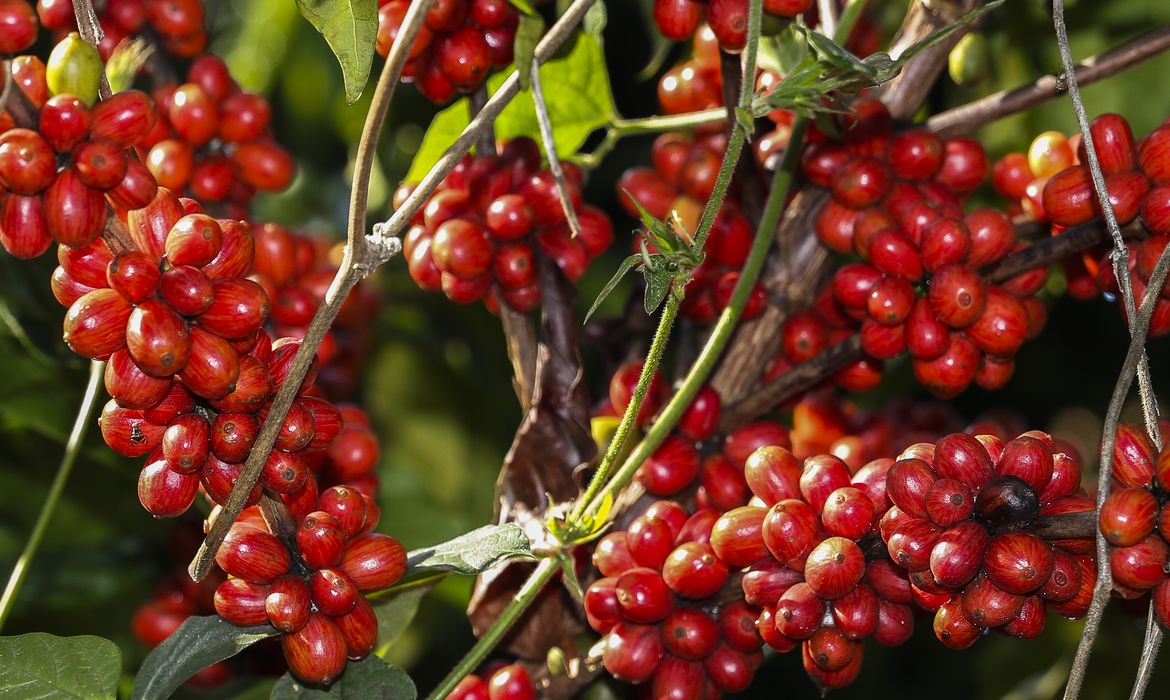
(75, 68)
(968, 62)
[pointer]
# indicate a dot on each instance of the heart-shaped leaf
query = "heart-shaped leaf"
(39, 665)
(198, 643)
(350, 27)
(369, 678)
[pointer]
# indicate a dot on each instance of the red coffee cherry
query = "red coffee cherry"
(856, 613)
(952, 627)
(911, 543)
(316, 653)
(27, 162)
(288, 604)
(242, 602)
(649, 541)
(511, 682)
(790, 530)
(252, 554)
(834, 567)
(671, 467)
(158, 338)
(643, 595)
(333, 593)
(737, 536)
(689, 634)
(95, 325)
(632, 652)
(164, 492)
(799, 612)
(1141, 566)
(1018, 562)
(957, 555)
(694, 571)
(374, 561)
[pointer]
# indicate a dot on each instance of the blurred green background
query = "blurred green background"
(436, 382)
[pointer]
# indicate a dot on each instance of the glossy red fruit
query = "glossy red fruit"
(895, 623)
(1065, 581)
(316, 653)
(1007, 502)
(263, 165)
(848, 512)
(1113, 143)
(894, 254)
(952, 627)
(1029, 459)
(288, 604)
(699, 420)
(649, 541)
(74, 214)
(949, 502)
(834, 567)
(238, 308)
(964, 165)
(1141, 566)
(186, 443)
(632, 652)
(799, 612)
(158, 338)
(24, 230)
(252, 554)
(790, 531)
(124, 118)
(643, 595)
(958, 554)
(1133, 456)
(731, 670)
(95, 324)
(678, 19)
(689, 633)
(962, 457)
(1018, 562)
(27, 162)
(957, 295)
(511, 682)
(911, 543)
(737, 536)
(212, 367)
(242, 602)
(283, 472)
(464, 57)
(333, 593)
(1030, 621)
(737, 626)
(164, 492)
(374, 561)
(772, 474)
(861, 183)
(694, 571)
(992, 236)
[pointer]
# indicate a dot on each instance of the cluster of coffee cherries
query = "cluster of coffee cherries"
(896, 202)
(1136, 521)
(508, 682)
(177, 24)
(959, 525)
(1052, 183)
(802, 546)
(58, 175)
(177, 597)
(657, 606)
(212, 140)
(676, 189)
(460, 42)
(482, 231)
(728, 19)
(313, 595)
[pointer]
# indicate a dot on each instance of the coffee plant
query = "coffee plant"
(795, 428)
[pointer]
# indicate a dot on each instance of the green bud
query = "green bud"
(968, 62)
(75, 68)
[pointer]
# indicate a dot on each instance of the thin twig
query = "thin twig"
(72, 449)
(1120, 251)
(1101, 592)
(487, 140)
(966, 118)
(561, 30)
(1065, 526)
(23, 112)
(550, 151)
(362, 254)
(905, 94)
(1150, 646)
(91, 31)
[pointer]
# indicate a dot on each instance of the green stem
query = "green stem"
(532, 587)
(626, 426)
(72, 449)
(721, 333)
(669, 122)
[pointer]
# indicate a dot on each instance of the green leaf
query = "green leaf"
(396, 609)
(369, 678)
(595, 20)
(657, 285)
(39, 665)
(612, 283)
(783, 52)
(663, 235)
(524, 6)
(576, 92)
(528, 33)
(472, 553)
(198, 643)
(350, 27)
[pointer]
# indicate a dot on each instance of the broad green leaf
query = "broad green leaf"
(397, 607)
(657, 285)
(528, 34)
(350, 27)
(369, 678)
(472, 553)
(39, 665)
(612, 283)
(576, 92)
(198, 643)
